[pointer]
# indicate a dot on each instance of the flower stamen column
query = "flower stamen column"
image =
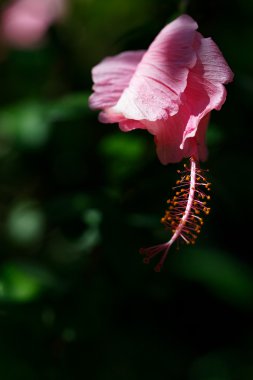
(183, 216)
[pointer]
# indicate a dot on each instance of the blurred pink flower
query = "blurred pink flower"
(25, 22)
(169, 89)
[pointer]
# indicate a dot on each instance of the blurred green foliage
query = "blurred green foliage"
(78, 199)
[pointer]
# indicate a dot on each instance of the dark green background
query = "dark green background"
(78, 199)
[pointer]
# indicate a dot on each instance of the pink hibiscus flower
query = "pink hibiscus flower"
(169, 90)
(25, 22)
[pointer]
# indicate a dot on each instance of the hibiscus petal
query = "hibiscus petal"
(126, 125)
(160, 78)
(168, 136)
(205, 90)
(201, 138)
(196, 146)
(216, 67)
(111, 77)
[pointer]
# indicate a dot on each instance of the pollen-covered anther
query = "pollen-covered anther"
(184, 214)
